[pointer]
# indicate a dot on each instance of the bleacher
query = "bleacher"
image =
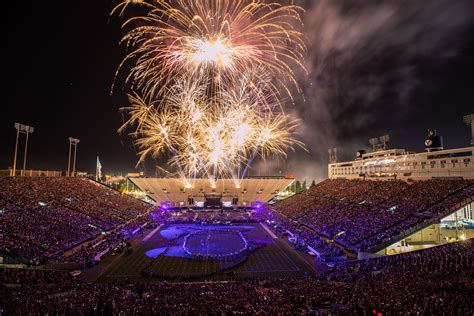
(44, 216)
(361, 214)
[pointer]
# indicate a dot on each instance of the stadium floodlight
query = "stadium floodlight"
(384, 140)
(72, 142)
(332, 155)
(379, 143)
(374, 142)
(24, 129)
(469, 120)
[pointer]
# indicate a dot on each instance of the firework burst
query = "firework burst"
(212, 39)
(206, 77)
(203, 137)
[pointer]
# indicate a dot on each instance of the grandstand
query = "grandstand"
(426, 282)
(390, 200)
(344, 246)
(226, 192)
(384, 217)
(45, 218)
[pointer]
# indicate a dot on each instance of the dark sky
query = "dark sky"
(376, 67)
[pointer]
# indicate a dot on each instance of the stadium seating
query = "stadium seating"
(326, 251)
(45, 216)
(78, 194)
(428, 282)
(361, 214)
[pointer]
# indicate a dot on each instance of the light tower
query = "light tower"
(384, 139)
(374, 142)
(379, 143)
(332, 155)
(72, 142)
(24, 129)
(469, 120)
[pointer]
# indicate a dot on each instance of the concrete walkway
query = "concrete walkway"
(152, 233)
(269, 231)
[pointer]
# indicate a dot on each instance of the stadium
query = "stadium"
(75, 236)
(385, 231)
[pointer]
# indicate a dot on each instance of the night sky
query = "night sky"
(375, 67)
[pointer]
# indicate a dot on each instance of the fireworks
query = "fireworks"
(205, 137)
(207, 76)
(216, 39)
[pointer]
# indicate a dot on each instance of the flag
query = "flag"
(98, 170)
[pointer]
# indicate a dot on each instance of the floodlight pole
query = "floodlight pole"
(21, 128)
(69, 159)
(472, 131)
(26, 150)
(332, 155)
(16, 150)
(469, 120)
(74, 161)
(72, 141)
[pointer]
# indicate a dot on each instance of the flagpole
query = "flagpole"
(98, 170)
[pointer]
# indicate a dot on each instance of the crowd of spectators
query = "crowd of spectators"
(79, 194)
(42, 217)
(44, 233)
(75, 220)
(437, 281)
(360, 214)
(326, 250)
(116, 240)
(215, 217)
(32, 276)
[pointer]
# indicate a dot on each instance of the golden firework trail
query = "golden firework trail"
(205, 137)
(206, 77)
(212, 39)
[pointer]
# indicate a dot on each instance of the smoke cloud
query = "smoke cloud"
(364, 59)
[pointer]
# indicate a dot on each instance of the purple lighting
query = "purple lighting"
(165, 205)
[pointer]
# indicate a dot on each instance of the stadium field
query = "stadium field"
(159, 255)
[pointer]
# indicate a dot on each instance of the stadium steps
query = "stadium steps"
(325, 238)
